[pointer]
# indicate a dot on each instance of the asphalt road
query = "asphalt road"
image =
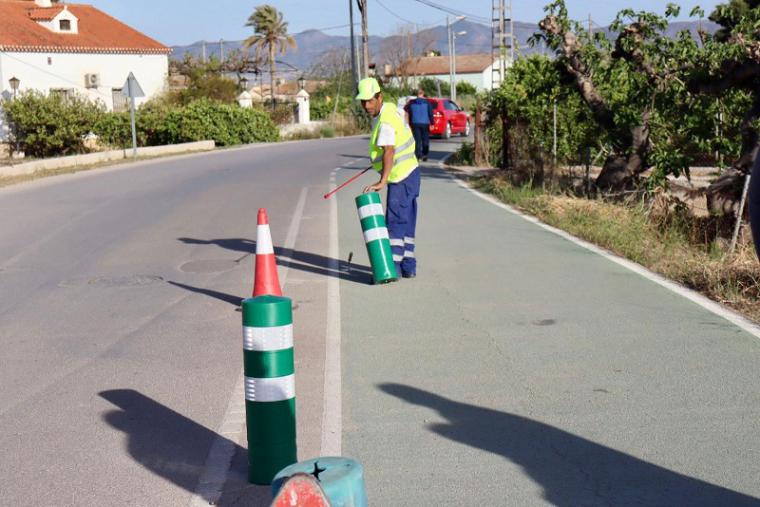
(517, 369)
(121, 343)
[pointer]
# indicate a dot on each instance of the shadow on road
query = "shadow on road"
(169, 444)
(222, 296)
(295, 259)
(571, 470)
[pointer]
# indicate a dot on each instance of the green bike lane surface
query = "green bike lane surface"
(519, 368)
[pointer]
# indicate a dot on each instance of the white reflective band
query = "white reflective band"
(270, 389)
(370, 210)
(376, 233)
(408, 240)
(408, 254)
(398, 258)
(397, 242)
(404, 146)
(263, 240)
(268, 338)
(401, 158)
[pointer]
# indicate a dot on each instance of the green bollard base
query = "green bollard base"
(264, 461)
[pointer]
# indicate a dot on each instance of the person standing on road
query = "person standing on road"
(420, 118)
(391, 149)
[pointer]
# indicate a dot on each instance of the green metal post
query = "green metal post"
(270, 400)
(376, 237)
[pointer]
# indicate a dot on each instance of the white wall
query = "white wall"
(480, 80)
(46, 71)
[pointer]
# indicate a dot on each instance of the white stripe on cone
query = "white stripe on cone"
(264, 240)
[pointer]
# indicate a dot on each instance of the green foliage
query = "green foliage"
(51, 125)
(200, 120)
(465, 88)
(205, 81)
(431, 85)
(644, 99)
(327, 132)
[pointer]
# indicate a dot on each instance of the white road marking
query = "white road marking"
(332, 415)
(217, 466)
(689, 294)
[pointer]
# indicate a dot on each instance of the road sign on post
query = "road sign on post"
(132, 89)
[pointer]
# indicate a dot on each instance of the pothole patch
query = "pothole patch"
(208, 266)
(113, 281)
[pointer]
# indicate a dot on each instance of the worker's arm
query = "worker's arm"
(388, 153)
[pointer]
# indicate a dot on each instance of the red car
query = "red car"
(448, 118)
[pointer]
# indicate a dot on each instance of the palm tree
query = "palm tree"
(270, 36)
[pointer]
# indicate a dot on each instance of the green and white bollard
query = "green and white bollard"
(376, 237)
(270, 399)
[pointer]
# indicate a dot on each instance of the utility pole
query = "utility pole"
(365, 38)
(221, 50)
(354, 77)
(590, 28)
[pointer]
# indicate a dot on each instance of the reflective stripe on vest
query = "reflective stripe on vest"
(404, 161)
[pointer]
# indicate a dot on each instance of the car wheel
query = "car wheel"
(466, 132)
(447, 131)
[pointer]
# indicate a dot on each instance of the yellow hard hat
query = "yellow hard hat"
(368, 87)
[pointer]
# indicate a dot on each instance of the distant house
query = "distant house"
(67, 48)
(474, 69)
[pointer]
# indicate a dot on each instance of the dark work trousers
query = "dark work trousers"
(401, 217)
(421, 132)
(754, 204)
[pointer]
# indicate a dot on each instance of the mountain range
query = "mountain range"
(313, 44)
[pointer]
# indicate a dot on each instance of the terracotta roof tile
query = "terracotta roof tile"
(432, 65)
(45, 14)
(98, 32)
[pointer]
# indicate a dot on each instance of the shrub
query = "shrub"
(327, 132)
(200, 120)
(282, 114)
(51, 125)
(225, 124)
(465, 88)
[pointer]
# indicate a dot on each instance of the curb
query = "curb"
(74, 161)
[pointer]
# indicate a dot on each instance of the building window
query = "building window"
(119, 100)
(64, 93)
(65, 25)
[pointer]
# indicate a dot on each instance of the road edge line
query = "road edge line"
(332, 416)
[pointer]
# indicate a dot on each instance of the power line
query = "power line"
(381, 4)
(454, 12)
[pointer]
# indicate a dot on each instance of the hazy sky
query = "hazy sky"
(175, 22)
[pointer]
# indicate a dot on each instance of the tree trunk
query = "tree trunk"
(271, 73)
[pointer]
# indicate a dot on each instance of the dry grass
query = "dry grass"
(664, 238)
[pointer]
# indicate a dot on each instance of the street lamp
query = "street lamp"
(451, 50)
(454, 63)
(301, 82)
(244, 83)
(14, 81)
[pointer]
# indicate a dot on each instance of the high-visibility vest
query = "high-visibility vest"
(404, 161)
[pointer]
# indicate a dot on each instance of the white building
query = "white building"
(474, 69)
(68, 48)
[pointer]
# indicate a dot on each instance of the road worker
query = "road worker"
(391, 149)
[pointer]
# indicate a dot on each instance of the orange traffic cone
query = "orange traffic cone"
(301, 490)
(266, 281)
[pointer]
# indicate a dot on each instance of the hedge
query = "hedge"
(51, 125)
